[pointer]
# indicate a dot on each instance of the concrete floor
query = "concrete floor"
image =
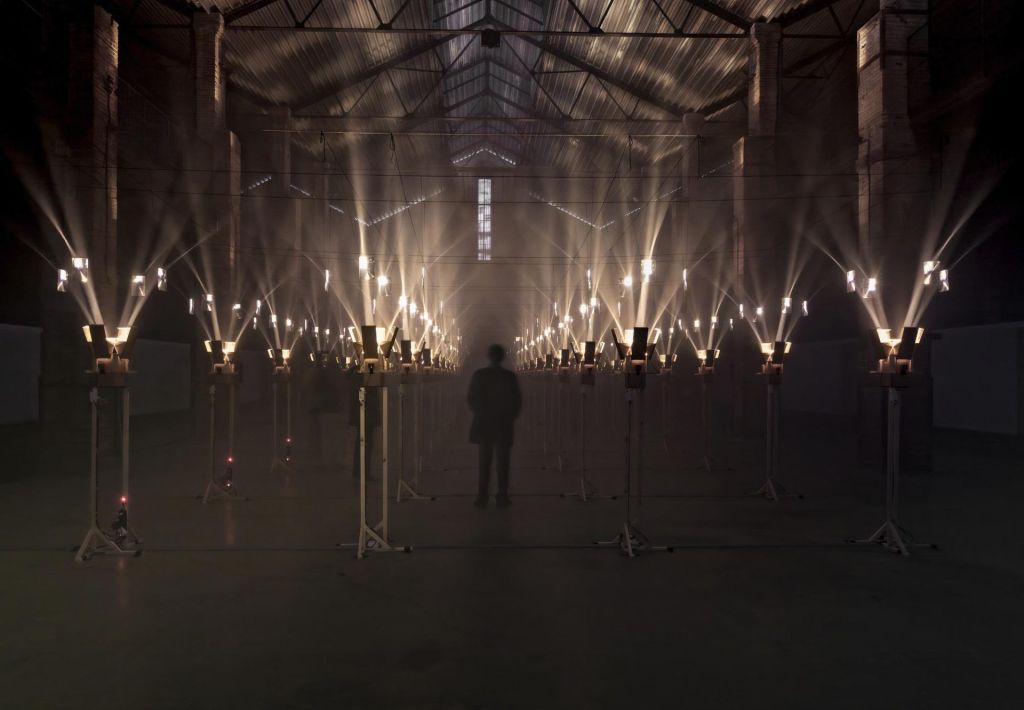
(253, 605)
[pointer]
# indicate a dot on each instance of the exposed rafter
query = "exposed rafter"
(370, 72)
(601, 74)
(722, 13)
(811, 7)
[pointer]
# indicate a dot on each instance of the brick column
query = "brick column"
(91, 130)
(215, 160)
(757, 239)
(894, 177)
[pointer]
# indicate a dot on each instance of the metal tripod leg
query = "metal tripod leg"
(891, 534)
(96, 541)
(771, 489)
(374, 538)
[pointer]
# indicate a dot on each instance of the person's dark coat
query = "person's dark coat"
(495, 401)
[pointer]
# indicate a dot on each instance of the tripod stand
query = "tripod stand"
(124, 541)
(277, 463)
(772, 489)
(631, 539)
(374, 538)
(224, 487)
(404, 487)
(891, 534)
(586, 490)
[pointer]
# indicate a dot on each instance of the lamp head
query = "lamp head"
(405, 349)
(589, 355)
(638, 345)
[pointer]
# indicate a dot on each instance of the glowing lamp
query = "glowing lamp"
(371, 337)
(787, 305)
(110, 351)
(706, 359)
(627, 281)
(590, 354)
(851, 281)
(899, 351)
(81, 265)
(638, 345)
(139, 284)
(62, 280)
(161, 278)
(944, 280)
(775, 352)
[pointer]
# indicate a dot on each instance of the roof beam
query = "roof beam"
(802, 12)
(370, 72)
(575, 61)
(738, 95)
(247, 9)
(713, 8)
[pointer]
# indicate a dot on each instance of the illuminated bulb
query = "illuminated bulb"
(236, 310)
(696, 323)
(730, 324)
(364, 264)
(412, 308)
(288, 325)
(62, 280)
(944, 280)
(273, 319)
(787, 305)
(803, 308)
(627, 281)
(81, 265)
(583, 310)
(593, 302)
(161, 278)
(191, 306)
(741, 310)
(851, 281)
(327, 279)
(259, 305)
(685, 282)
(403, 302)
(139, 282)
(872, 286)
(647, 269)
(929, 267)
(714, 321)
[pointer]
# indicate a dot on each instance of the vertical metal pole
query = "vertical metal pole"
(705, 420)
(231, 421)
(629, 447)
(583, 444)
(401, 440)
(94, 397)
(769, 434)
(288, 409)
(213, 433)
(416, 433)
(273, 386)
(893, 455)
(384, 461)
(362, 470)
(641, 407)
(125, 441)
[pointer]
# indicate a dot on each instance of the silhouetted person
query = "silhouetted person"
(495, 400)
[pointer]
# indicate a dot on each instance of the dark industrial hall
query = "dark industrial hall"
(491, 354)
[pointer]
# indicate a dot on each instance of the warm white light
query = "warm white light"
(412, 308)
(209, 302)
(944, 280)
(627, 281)
(851, 281)
(583, 310)
(236, 310)
(647, 269)
(696, 323)
(787, 305)
(403, 301)
(327, 279)
(685, 281)
(872, 286)
(62, 280)
(803, 308)
(139, 282)
(259, 305)
(929, 267)
(288, 325)
(273, 319)
(741, 310)
(191, 306)
(161, 278)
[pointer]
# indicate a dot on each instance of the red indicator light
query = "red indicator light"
(124, 499)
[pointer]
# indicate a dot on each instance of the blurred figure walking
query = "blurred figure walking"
(495, 401)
